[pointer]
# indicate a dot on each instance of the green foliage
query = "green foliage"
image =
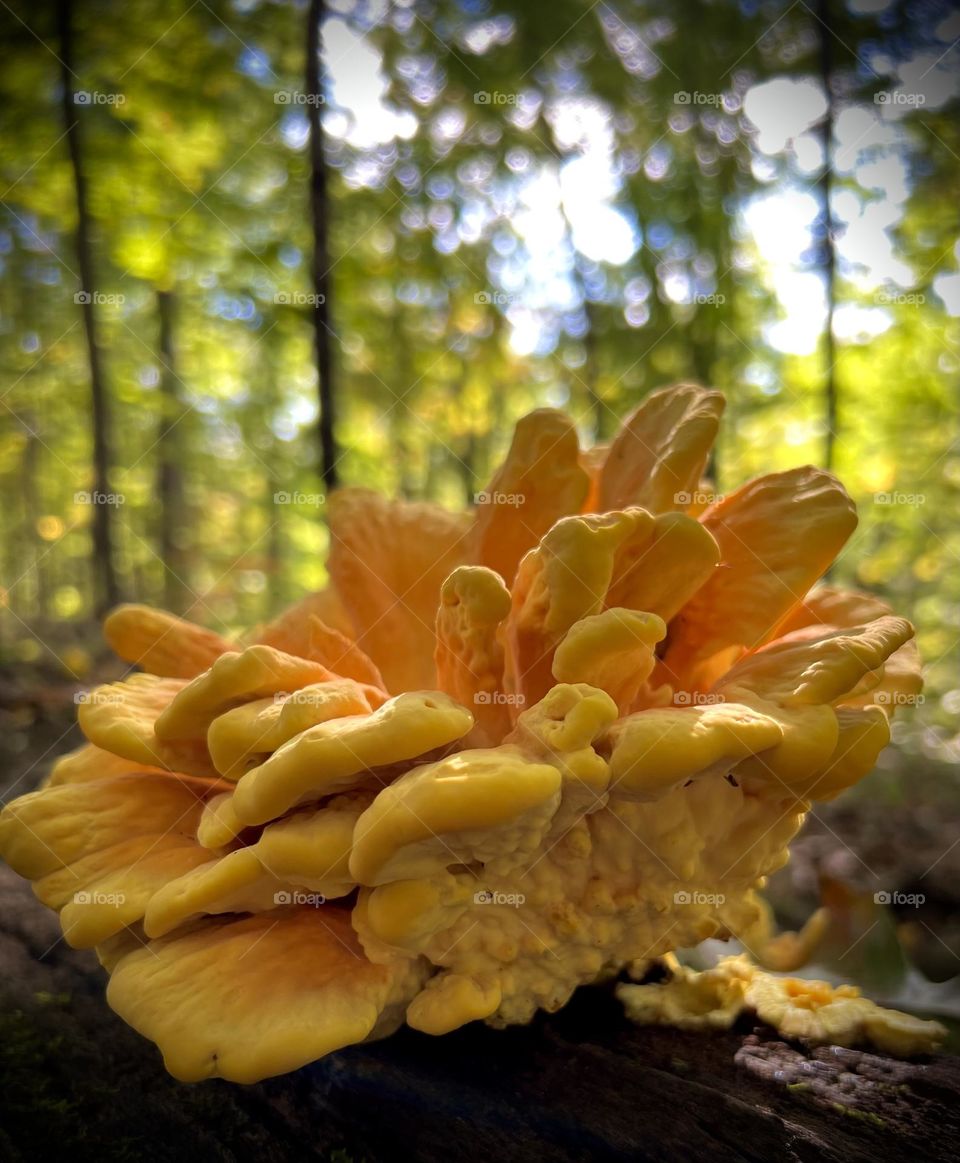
(199, 186)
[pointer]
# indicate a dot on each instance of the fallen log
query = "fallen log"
(580, 1085)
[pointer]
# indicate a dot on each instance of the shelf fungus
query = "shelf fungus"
(504, 754)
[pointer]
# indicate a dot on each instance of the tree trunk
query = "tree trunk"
(106, 588)
(321, 251)
(401, 444)
(826, 224)
(467, 467)
(258, 431)
(591, 372)
(172, 518)
(590, 377)
(29, 487)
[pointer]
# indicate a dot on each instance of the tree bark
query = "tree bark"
(319, 205)
(591, 371)
(590, 379)
(580, 1086)
(106, 586)
(401, 450)
(176, 590)
(31, 475)
(826, 226)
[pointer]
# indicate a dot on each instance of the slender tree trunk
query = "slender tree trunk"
(591, 365)
(28, 485)
(467, 468)
(106, 588)
(826, 216)
(276, 593)
(401, 452)
(171, 523)
(321, 252)
(591, 371)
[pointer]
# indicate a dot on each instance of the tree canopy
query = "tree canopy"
(522, 205)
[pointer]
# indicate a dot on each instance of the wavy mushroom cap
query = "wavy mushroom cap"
(505, 753)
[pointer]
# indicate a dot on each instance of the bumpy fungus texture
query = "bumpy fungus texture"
(505, 753)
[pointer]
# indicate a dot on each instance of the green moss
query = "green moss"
(37, 1114)
(854, 1113)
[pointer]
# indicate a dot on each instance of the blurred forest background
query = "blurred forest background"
(457, 211)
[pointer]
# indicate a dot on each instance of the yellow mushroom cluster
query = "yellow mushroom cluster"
(813, 1012)
(505, 753)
